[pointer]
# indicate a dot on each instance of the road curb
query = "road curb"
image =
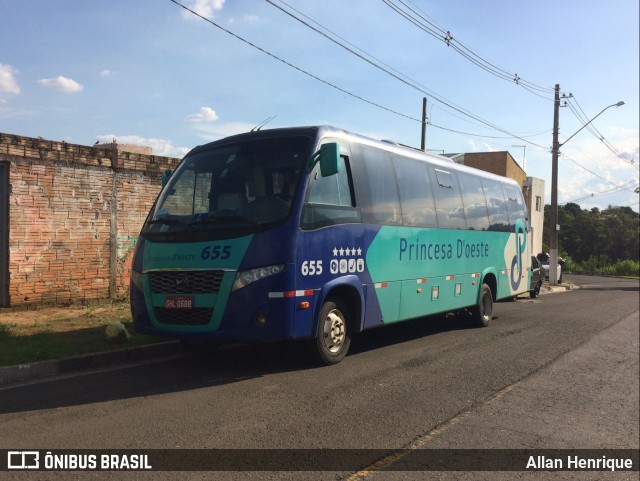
(547, 289)
(43, 369)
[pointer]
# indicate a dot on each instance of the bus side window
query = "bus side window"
(515, 207)
(332, 190)
(377, 187)
(416, 197)
(330, 200)
(448, 200)
(498, 217)
(475, 204)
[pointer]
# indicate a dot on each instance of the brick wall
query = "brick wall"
(74, 216)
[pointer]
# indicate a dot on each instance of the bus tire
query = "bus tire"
(482, 313)
(333, 334)
(535, 292)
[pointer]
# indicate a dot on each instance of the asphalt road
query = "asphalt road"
(557, 372)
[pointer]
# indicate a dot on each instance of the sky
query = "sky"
(150, 72)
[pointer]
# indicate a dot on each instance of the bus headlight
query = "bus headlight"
(137, 280)
(244, 278)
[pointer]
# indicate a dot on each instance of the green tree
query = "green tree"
(623, 227)
(604, 237)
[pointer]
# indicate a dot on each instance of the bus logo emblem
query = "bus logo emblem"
(352, 266)
(333, 266)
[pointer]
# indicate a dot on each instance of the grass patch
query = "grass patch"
(56, 333)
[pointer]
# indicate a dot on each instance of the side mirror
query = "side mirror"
(166, 175)
(329, 159)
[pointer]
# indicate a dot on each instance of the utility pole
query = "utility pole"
(423, 143)
(553, 215)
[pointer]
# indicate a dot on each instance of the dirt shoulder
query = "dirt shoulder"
(58, 332)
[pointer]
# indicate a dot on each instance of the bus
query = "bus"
(317, 233)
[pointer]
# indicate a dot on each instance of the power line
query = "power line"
(301, 70)
(587, 124)
(450, 41)
(486, 136)
(289, 64)
(364, 56)
(421, 20)
(588, 170)
(370, 59)
(582, 117)
(614, 190)
(564, 156)
(332, 33)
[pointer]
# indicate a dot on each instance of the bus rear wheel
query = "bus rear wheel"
(333, 335)
(482, 313)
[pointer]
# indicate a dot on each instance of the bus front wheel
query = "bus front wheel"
(483, 311)
(333, 335)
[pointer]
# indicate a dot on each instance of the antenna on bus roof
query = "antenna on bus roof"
(263, 123)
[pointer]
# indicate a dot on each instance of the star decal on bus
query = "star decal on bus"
(349, 251)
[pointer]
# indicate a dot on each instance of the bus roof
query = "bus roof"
(321, 131)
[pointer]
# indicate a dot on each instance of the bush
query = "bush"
(572, 267)
(600, 265)
(626, 268)
(596, 264)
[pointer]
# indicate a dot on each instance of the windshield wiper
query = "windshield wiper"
(166, 221)
(212, 219)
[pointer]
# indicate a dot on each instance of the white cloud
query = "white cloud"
(8, 82)
(573, 184)
(205, 8)
(161, 147)
(246, 18)
(479, 147)
(62, 84)
(205, 123)
(211, 132)
(205, 114)
(627, 142)
(107, 73)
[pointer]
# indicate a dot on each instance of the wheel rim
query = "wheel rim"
(334, 332)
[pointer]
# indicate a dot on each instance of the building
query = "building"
(534, 197)
(499, 163)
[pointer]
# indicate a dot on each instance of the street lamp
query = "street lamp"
(619, 104)
(555, 227)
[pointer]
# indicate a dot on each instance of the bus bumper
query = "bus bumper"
(260, 312)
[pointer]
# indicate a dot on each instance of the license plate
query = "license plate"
(178, 302)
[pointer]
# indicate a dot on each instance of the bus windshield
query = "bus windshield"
(243, 185)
